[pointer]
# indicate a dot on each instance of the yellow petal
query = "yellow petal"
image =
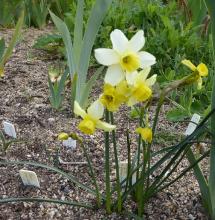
(146, 134)
(105, 126)
(202, 69)
(87, 126)
(189, 64)
(199, 83)
(78, 110)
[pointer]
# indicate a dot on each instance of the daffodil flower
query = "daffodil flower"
(114, 96)
(201, 70)
(125, 57)
(146, 133)
(91, 118)
(140, 86)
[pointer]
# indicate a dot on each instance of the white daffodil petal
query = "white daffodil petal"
(114, 75)
(132, 101)
(143, 74)
(137, 41)
(119, 40)
(106, 57)
(151, 81)
(78, 110)
(105, 126)
(96, 110)
(130, 77)
(146, 59)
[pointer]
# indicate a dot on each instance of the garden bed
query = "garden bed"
(24, 102)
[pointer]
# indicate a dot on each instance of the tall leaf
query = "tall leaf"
(211, 8)
(12, 43)
(62, 28)
(97, 15)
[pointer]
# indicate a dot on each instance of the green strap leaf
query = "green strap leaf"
(63, 29)
(68, 176)
(97, 15)
(63, 202)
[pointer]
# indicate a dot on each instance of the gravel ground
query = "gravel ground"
(24, 102)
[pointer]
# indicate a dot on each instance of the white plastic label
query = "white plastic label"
(29, 178)
(123, 172)
(9, 129)
(193, 124)
(70, 143)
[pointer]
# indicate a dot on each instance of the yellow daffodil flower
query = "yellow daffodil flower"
(146, 133)
(113, 97)
(91, 118)
(140, 86)
(201, 70)
(125, 57)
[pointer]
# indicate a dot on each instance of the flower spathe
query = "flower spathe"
(201, 70)
(140, 86)
(125, 57)
(146, 133)
(91, 118)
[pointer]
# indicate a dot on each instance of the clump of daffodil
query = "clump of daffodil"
(91, 118)
(125, 57)
(140, 86)
(114, 96)
(199, 71)
(146, 133)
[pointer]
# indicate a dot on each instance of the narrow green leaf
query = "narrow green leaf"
(62, 28)
(68, 176)
(78, 32)
(97, 15)
(2, 48)
(13, 41)
(211, 8)
(62, 202)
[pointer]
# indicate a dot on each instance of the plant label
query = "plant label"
(29, 178)
(70, 143)
(9, 129)
(123, 172)
(193, 124)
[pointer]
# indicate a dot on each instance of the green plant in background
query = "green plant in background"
(6, 143)
(5, 53)
(57, 83)
(8, 12)
(37, 12)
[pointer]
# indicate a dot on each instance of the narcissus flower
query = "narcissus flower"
(91, 118)
(114, 96)
(201, 71)
(125, 57)
(146, 134)
(140, 86)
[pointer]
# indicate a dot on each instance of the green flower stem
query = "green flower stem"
(211, 8)
(119, 195)
(141, 185)
(107, 167)
(92, 173)
(139, 142)
(129, 177)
